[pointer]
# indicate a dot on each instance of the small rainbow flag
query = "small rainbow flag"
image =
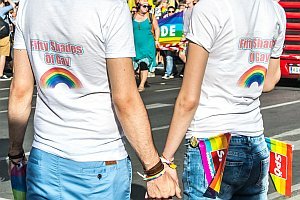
(171, 29)
(281, 157)
(213, 152)
(18, 182)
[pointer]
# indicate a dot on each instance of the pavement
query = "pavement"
(280, 109)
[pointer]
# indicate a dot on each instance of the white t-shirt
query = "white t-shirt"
(240, 37)
(68, 43)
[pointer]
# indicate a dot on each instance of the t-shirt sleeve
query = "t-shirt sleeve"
(278, 47)
(19, 41)
(205, 24)
(119, 33)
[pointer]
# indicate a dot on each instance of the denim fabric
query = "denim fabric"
(169, 66)
(52, 177)
(245, 175)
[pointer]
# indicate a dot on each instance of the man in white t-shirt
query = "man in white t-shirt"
(233, 57)
(86, 97)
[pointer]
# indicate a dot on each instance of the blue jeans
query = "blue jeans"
(53, 177)
(245, 175)
(169, 66)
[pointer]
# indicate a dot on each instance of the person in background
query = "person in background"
(87, 100)
(181, 7)
(4, 42)
(146, 34)
(220, 93)
(168, 54)
(133, 10)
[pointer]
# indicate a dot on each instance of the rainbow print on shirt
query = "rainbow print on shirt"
(59, 75)
(281, 158)
(255, 74)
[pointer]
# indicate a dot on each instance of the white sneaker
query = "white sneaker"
(5, 78)
(167, 77)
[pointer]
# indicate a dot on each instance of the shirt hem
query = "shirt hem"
(118, 154)
(120, 55)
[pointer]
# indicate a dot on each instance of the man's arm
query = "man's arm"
(188, 98)
(273, 75)
(19, 106)
(134, 119)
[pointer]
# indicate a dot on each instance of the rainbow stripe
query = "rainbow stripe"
(18, 182)
(282, 162)
(58, 75)
(214, 173)
(254, 74)
(176, 21)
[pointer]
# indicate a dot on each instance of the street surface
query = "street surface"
(280, 109)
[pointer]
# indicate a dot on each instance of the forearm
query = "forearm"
(188, 98)
(181, 120)
(272, 76)
(19, 109)
(134, 120)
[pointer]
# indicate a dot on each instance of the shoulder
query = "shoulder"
(278, 8)
(280, 12)
(212, 10)
(212, 7)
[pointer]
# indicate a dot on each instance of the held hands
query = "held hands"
(164, 186)
(16, 160)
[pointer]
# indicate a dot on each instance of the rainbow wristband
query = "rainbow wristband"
(150, 178)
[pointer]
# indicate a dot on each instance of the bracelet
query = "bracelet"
(171, 164)
(19, 163)
(150, 178)
(155, 170)
(20, 155)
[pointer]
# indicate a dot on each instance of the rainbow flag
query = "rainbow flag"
(171, 30)
(18, 182)
(213, 152)
(281, 157)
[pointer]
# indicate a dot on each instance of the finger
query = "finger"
(178, 192)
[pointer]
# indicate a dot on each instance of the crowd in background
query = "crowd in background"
(145, 16)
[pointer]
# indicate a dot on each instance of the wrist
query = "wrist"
(170, 163)
(168, 157)
(151, 161)
(15, 153)
(155, 172)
